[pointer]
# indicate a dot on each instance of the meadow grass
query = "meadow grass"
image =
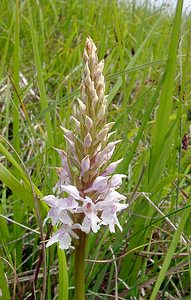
(147, 71)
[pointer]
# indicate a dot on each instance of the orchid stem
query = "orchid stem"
(80, 267)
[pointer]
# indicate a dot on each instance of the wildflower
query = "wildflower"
(63, 236)
(86, 195)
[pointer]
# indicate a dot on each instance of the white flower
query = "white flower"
(109, 216)
(71, 190)
(53, 202)
(102, 184)
(116, 180)
(85, 168)
(58, 209)
(99, 184)
(63, 236)
(91, 219)
(111, 168)
(111, 146)
(101, 135)
(64, 217)
(68, 203)
(110, 196)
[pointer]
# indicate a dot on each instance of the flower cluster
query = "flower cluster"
(85, 195)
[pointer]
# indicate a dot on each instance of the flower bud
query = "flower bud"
(85, 165)
(76, 122)
(68, 133)
(88, 122)
(87, 141)
(82, 106)
(101, 112)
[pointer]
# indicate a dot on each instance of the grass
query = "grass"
(147, 71)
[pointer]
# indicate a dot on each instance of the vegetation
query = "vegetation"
(147, 72)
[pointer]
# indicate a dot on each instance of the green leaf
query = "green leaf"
(63, 276)
(165, 104)
(4, 289)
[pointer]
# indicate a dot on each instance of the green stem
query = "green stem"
(80, 267)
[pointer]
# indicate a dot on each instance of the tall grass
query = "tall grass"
(147, 59)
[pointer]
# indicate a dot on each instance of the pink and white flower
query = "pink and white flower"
(91, 220)
(64, 236)
(86, 192)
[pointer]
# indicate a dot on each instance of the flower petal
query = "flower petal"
(111, 168)
(71, 190)
(53, 214)
(51, 200)
(85, 165)
(116, 180)
(68, 203)
(111, 146)
(65, 241)
(64, 218)
(109, 217)
(53, 239)
(99, 184)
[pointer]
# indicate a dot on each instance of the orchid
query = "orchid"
(86, 195)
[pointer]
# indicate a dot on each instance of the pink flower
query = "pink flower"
(91, 219)
(86, 196)
(111, 168)
(109, 216)
(63, 236)
(99, 184)
(68, 204)
(53, 202)
(71, 190)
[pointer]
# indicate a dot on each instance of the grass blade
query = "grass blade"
(43, 95)
(172, 248)
(163, 114)
(4, 290)
(63, 276)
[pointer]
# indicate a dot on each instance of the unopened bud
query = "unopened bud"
(68, 133)
(87, 141)
(85, 55)
(101, 135)
(82, 106)
(76, 122)
(88, 122)
(109, 125)
(95, 100)
(101, 112)
(85, 165)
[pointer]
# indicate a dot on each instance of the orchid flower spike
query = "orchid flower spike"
(85, 196)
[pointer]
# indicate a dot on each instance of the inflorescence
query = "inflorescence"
(85, 196)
